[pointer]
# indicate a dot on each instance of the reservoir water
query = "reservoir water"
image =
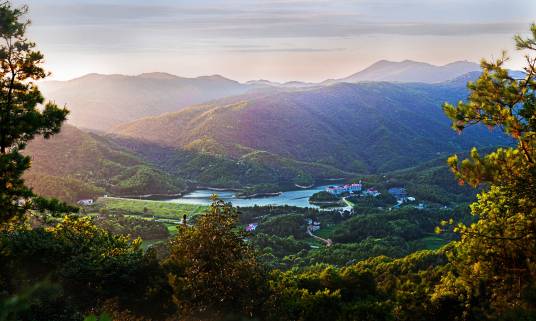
(299, 198)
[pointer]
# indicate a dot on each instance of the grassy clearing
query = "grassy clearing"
(432, 242)
(172, 228)
(150, 208)
(326, 232)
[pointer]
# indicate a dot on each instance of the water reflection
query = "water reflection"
(299, 198)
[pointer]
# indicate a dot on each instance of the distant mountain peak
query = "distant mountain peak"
(90, 76)
(262, 82)
(157, 75)
(101, 102)
(460, 62)
(385, 62)
(409, 61)
(410, 71)
(215, 77)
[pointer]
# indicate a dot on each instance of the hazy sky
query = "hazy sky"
(280, 40)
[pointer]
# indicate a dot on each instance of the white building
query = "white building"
(348, 188)
(372, 192)
(86, 202)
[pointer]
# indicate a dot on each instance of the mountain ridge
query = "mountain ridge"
(345, 122)
(75, 164)
(410, 71)
(101, 102)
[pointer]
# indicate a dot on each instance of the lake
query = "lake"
(299, 198)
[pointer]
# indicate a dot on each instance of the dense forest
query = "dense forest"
(446, 261)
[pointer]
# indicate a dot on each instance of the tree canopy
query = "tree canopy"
(22, 113)
(213, 271)
(494, 259)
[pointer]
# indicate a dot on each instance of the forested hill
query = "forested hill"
(364, 127)
(103, 101)
(74, 165)
(100, 102)
(267, 141)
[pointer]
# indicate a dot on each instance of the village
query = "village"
(356, 189)
(343, 199)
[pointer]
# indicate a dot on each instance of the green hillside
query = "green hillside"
(362, 128)
(75, 164)
(431, 182)
(216, 170)
(271, 139)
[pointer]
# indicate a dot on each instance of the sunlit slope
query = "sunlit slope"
(75, 164)
(365, 127)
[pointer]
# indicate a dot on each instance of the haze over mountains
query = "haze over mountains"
(411, 71)
(100, 102)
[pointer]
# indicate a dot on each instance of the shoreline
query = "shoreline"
(181, 194)
(304, 186)
(218, 189)
(146, 196)
(325, 202)
(260, 195)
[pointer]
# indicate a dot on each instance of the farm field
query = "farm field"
(149, 208)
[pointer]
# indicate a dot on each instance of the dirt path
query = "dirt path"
(328, 242)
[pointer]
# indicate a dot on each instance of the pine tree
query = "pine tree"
(22, 114)
(495, 259)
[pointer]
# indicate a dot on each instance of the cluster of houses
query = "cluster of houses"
(399, 193)
(371, 192)
(348, 188)
(402, 197)
(354, 188)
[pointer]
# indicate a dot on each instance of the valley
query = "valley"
(271, 150)
(354, 163)
(291, 233)
(260, 141)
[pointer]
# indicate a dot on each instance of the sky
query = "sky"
(278, 40)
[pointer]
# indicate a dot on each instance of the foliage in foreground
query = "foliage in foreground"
(213, 271)
(494, 260)
(21, 119)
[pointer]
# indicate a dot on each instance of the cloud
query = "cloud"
(268, 50)
(286, 18)
(199, 36)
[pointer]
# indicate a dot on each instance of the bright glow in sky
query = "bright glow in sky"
(280, 40)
